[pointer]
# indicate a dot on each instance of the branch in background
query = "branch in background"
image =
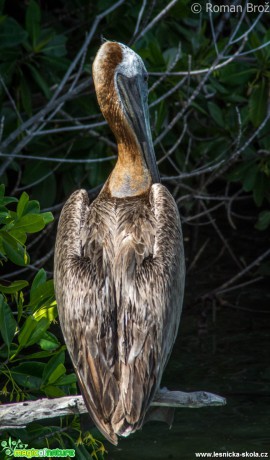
(224, 286)
(60, 160)
(55, 101)
(156, 19)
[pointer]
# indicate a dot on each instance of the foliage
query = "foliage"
(16, 224)
(33, 358)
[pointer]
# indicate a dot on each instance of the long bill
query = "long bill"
(133, 94)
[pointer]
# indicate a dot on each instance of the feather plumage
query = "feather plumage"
(119, 285)
(119, 282)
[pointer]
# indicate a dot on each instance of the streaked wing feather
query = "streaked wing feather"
(119, 274)
(83, 293)
(152, 304)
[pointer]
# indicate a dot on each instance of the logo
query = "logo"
(10, 446)
(17, 449)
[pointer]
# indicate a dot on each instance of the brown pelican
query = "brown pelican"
(119, 261)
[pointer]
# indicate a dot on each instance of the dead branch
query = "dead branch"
(224, 287)
(18, 415)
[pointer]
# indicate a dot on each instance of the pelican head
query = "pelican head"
(120, 79)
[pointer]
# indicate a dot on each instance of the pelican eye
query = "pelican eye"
(145, 77)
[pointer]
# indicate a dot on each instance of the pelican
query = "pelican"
(119, 261)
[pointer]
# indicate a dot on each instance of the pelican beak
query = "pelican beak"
(133, 93)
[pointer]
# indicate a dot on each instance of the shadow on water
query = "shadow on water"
(230, 357)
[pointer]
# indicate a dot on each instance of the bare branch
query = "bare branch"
(140, 15)
(157, 19)
(60, 160)
(241, 273)
(55, 102)
(195, 72)
(18, 415)
(81, 127)
(13, 104)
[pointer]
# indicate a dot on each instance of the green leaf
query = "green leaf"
(49, 342)
(52, 366)
(216, 114)
(56, 63)
(14, 287)
(6, 351)
(39, 279)
(264, 220)
(237, 74)
(24, 198)
(37, 355)
(32, 21)
(56, 46)
(7, 322)
(53, 391)
(250, 179)
(32, 207)
(258, 103)
(28, 374)
(170, 55)
(11, 33)
(32, 331)
(50, 313)
(41, 327)
(46, 35)
(8, 200)
(30, 223)
(40, 81)
(42, 294)
(67, 379)
(27, 331)
(3, 217)
(2, 192)
(239, 171)
(14, 250)
(57, 373)
(47, 217)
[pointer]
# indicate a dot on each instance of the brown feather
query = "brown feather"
(118, 294)
(119, 279)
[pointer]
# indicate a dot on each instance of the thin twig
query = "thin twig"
(140, 15)
(241, 273)
(60, 160)
(156, 19)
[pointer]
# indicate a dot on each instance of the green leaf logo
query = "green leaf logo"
(9, 446)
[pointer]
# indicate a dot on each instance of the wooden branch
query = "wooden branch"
(180, 399)
(18, 415)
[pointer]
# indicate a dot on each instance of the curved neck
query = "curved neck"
(130, 176)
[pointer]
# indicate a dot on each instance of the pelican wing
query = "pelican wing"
(86, 307)
(149, 293)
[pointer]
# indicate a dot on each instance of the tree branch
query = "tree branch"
(18, 415)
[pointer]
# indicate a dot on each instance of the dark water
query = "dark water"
(225, 352)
